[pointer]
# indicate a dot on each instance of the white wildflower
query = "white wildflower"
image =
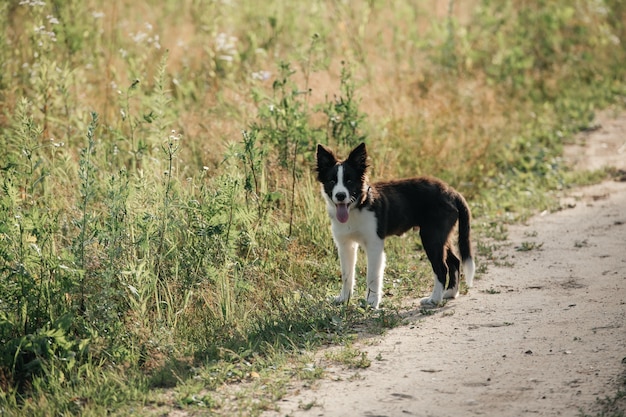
(138, 37)
(32, 3)
(261, 75)
(226, 45)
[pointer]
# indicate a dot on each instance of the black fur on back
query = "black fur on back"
(401, 205)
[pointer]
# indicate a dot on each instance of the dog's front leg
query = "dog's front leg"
(375, 270)
(347, 259)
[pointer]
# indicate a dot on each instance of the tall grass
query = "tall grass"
(159, 222)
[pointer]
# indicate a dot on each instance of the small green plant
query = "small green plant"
(126, 113)
(427, 311)
(610, 405)
(310, 371)
(308, 406)
(170, 149)
(351, 357)
(86, 175)
(581, 243)
(345, 121)
(283, 122)
(528, 246)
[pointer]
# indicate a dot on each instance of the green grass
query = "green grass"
(351, 357)
(528, 246)
(162, 236)
(613, 405)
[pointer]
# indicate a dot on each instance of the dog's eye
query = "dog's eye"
(349, 182)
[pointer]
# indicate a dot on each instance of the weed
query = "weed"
(351, 357)
(87, 189)
(581, 243)
(528, 246)
(308, 406)
(310, 371)
(486, 250)
(610, 406)
(427, 311)
(344, 119)
(388, 318)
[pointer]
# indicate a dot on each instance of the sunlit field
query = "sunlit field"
(162, 237)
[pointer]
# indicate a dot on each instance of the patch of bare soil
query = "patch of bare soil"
(542, 333)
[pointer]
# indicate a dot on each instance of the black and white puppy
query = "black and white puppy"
(365, 214)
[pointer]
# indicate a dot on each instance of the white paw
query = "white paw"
(373, 299)
(451, 293)
(428, 302)
(373, 302)
(340, 299)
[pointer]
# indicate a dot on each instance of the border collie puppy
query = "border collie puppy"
(363, 213)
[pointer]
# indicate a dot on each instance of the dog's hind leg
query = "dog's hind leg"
(452, 289)
(347, 259)
(375, 270)
(435, 250)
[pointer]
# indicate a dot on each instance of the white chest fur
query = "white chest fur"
(360, 227)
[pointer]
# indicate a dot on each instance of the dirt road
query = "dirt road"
(543, 333)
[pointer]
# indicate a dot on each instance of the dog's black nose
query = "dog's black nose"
(340, 196)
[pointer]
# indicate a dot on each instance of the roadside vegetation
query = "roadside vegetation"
(163, 243)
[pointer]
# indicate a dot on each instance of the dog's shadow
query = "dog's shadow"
(445, 309)
(376, 323)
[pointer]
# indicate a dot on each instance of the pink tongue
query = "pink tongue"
(342, 212)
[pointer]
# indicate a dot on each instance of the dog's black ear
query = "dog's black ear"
(326, 159)
(358, 157)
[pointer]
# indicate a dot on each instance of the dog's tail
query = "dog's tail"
(465, 246)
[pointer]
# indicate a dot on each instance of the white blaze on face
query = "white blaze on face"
(340, 189)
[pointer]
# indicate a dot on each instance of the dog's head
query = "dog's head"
(344, 182)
